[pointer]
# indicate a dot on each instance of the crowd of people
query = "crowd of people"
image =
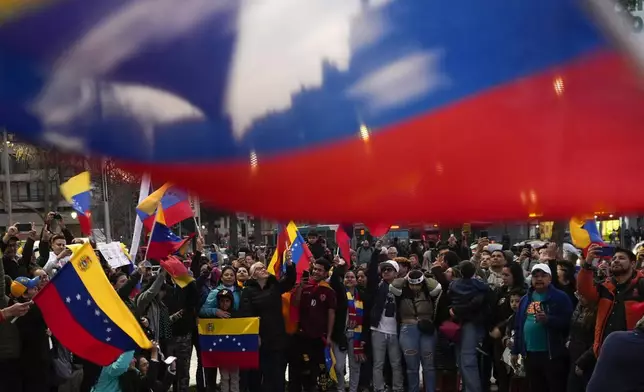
(439, 317)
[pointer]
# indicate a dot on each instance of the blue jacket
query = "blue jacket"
(558, 308)
(210, 307)
(108, 381)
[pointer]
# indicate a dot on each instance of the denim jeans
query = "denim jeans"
(417, 348)
(383, 344)
(341, 365)
(467, 358)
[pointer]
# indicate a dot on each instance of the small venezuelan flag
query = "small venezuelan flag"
(177, 271)
(291, 238)
(163, 242)
(86, 315)
(584, 232)
(229, 343)
(174, 203)
(329, 360)
(77, 192)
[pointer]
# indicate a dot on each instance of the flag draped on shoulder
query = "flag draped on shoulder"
(77, 192)
(229, 343)
(86, 315)
(289, 238)
(172, 202)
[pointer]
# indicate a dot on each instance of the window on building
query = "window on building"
(36, 191)
(20, 191)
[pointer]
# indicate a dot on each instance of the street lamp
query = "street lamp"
(74, 214)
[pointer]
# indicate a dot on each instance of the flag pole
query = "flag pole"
(138, 224)
(147, 248)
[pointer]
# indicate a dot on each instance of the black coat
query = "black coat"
(266, 303)
(338, 334)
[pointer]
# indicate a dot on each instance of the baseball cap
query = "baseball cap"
(390, 263)
(541, 267)
(21, 284)
(225, 294)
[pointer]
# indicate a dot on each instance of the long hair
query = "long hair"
(518, 279)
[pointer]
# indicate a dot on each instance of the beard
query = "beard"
(620, 271)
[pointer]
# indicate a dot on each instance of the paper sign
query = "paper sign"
(113, 253)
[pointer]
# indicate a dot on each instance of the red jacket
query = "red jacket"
(603, 295)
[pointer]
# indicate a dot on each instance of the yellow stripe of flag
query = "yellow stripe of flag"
(234, 326)
(150, 203)
(92, 275)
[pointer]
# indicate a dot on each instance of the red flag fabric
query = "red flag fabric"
(378, 229)
(343, 240)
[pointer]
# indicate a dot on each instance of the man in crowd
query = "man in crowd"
(14, 265)
(541, 330)
(364, 253)
(497, 262)
(619, 298)
(317, 303)
(383, 322)
(315, 245)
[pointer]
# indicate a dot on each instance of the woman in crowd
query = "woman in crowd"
(150, 306)
(354, 336)
(262, 297)
(242, 276)
(580, 345)
(417, 332)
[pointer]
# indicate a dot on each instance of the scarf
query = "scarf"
(355, 310)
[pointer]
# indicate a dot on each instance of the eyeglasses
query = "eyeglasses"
(387, 270)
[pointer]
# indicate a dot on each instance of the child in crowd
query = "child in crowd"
(229, 377)
(517, 376)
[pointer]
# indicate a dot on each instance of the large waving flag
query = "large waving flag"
(300, 252)
(463, 75)
(584, 232)
(229, 343)
(175, 207)
(86, 315)
(77, 192)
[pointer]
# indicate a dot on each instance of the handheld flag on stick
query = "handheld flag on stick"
(163, 242)
(177, 271)
(175, 207)
(343, 240)
(86, 315)
(229, 343)
(77, 192)
(289, 238)
(584, 232)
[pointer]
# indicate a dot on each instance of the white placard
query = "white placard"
(113, 254)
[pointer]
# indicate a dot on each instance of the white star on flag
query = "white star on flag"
(78, 297)
(109, 330)
(210, 350)
(97, 312)
(106, 321)
(68, 300)
(107, 339)
(89, 303)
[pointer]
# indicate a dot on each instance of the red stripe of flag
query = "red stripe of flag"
(71, 334)
(230, 360)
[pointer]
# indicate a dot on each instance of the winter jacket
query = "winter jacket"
(147, 304)
(9, 334)
(186, 299)
(424, 303)
(604, 295)
(471, 300)
(376, 293)
(266, 303)
(109, 381)
(338, 334)
(618, 366)
(581, 337)
(558, 309)
(209, 308)
(364, 255)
